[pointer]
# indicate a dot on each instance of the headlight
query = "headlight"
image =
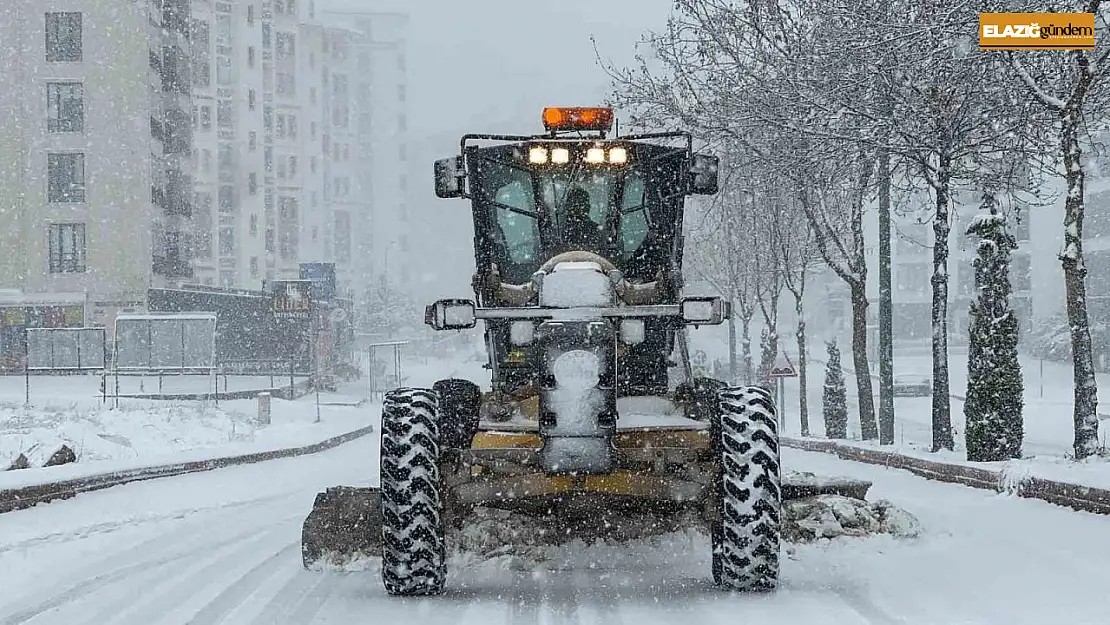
(537, 155)
(595, 155)
(577, 369)
(618, 156)
(560, 156)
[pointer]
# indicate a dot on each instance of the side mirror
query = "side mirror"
(450, 175)
(703, 173)
(709, 311)
(451, 314)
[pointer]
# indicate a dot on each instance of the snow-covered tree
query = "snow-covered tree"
(1072, 90)
(994, 386)
(835, 396)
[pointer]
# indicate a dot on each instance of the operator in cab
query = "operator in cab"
(579, 231)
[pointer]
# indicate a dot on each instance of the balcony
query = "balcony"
(179, 194)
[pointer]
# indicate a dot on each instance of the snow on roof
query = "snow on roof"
(180, 316)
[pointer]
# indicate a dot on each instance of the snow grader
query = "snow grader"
(592, 407)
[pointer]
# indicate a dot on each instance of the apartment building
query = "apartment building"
(277, 191)
(95, 144)
(381, 225)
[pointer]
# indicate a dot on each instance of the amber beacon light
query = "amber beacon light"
(577, 118)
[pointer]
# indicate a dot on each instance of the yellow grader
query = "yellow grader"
(592, 406)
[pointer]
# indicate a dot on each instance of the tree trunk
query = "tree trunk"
(868, 428)
(886, 333)
(803, 405)
(1075, 272)
(746, 347)
(942, 405)
(732, 363)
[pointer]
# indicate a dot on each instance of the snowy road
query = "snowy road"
(222, 547)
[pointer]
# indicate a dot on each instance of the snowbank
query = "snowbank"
(144, 433)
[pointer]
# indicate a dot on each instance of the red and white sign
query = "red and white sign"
(783, 368)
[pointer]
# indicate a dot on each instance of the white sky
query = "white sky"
(492, 65)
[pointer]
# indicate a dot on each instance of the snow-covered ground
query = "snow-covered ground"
(222, 547)
(1048, 419)
(141, 432)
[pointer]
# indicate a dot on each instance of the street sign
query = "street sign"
(783, 368)
(292, 299)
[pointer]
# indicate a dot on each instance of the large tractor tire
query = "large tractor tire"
(414, 555)
(459, 404)
(745, 531)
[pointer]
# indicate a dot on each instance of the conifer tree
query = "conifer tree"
(835, 405)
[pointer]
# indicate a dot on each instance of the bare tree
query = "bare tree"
(1073, 88)
(797, 254)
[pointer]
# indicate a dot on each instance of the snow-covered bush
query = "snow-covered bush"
(835, 396)
(994, 386)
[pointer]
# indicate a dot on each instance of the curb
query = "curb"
(1074, 496)
(28, 496)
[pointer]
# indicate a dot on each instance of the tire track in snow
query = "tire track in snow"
(145, 600)
(233, 597)
(97, 582)
(153, 553)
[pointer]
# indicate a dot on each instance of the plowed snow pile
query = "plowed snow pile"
(519, 542)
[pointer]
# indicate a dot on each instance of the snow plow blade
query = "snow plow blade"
(344, 525)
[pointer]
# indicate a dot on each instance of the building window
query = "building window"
(281, 169)
(65, 107)
(67, 248)
(270, 240)
(227, 198)
(267, 117)
(227, 158)
(206, 117)
(227, 240)
(254, 225)
(252, 99)
(202, 224)
(252, 183)
(250, 56)
(292, 166)
(254, 266)
(312, 164)
(202, 68)
(312, 95)
(286, 44)
(280, 128)
(285, 83)
(268, 159)
(313, 128)
(342, 229)
(227, 279)
(347, 152)
(66, 177)
(250, 14)
(252, 141)
(292, 125)
(225, 113)
(265, 35)
(63, 37)
(223, 70)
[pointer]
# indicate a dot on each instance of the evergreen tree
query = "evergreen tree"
(835, 406)
(994, 385)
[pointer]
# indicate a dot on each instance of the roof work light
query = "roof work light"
(578, 118)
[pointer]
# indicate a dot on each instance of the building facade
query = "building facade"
(95, 171)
